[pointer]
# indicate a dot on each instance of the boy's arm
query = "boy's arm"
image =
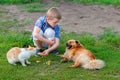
(36, 34)
(53, 47)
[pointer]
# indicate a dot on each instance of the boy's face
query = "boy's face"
(53, 22)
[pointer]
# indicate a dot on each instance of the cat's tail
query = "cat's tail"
(94, 64)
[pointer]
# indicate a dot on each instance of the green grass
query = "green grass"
(17, 1)
(103, 48)
(36, 7)
(106, 2)
(7, 22)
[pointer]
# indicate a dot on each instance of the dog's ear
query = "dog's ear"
(78, 43)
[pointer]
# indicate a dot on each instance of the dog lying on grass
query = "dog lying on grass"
(81, 56)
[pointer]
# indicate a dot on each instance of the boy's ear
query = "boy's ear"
(47, 19)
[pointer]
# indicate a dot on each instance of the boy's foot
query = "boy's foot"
(39, 50)
(55, 52)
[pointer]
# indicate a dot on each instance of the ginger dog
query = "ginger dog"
(81, 56)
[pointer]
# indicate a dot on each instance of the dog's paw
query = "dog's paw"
(60, 55)
(64, 60)
(70, 67)
(73, 66)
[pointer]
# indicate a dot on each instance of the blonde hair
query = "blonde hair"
(53, 13)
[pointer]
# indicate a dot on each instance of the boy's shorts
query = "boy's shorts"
(48, 34)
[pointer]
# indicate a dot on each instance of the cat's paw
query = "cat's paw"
(28, 62)
(24, 65)
(14, 64)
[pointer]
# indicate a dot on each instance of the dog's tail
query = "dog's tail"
(94, 64)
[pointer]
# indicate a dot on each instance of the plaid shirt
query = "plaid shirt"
(43, 25)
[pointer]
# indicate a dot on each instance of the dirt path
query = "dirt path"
(76, 17)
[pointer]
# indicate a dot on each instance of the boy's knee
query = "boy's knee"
(40, 33)
(49, 33)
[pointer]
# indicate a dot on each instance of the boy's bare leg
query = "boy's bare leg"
(38, 44)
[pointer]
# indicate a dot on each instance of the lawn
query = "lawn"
(106, 47)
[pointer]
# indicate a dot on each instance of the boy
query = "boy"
(46, 32)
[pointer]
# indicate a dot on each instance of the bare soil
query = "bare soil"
(75, 17)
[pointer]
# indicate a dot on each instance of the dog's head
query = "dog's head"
(73, 44)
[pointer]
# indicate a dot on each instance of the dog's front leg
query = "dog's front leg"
(76, 64)
(65, 57)
(64, 60)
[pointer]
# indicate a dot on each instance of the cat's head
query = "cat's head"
(32, 50)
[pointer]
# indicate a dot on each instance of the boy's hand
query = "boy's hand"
(45, 53)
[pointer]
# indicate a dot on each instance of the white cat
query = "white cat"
(21, 55)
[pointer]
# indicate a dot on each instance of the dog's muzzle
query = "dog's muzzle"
(68, 46)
